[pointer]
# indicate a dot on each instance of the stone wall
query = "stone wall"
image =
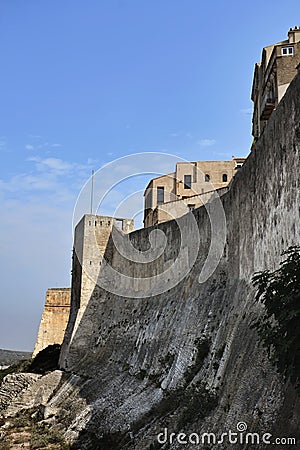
(287, 65)
(205, 177)
(135, 353)
(187, 358)
(90, 240)
(177, 208)
(198, 170)
(54, 319)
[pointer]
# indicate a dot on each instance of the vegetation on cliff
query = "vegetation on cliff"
(8, 357)
(279, 326)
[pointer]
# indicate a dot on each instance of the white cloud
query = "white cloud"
(91, 161)
(40, 203)
(247, 111)
(3, 145)
(182, 134)
(35, 254)
(54, 164)
(40, 145)
(226, 155)
(206, 142)
(50, 176)
(58, 167)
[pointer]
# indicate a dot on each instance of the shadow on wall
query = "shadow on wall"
(153, 360)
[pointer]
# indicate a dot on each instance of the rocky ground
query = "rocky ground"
(22, 419)
(27, 430)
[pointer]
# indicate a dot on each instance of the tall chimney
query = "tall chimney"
(294, 35)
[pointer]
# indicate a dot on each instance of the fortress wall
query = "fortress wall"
(131, 350)
(54, 319)
(90, 240)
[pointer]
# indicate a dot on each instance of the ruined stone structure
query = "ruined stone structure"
(272, 77)
(54, 319)
(190, 186)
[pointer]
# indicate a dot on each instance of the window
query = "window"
(187, 181)
(95, 223)
(160, 194)
(207, 178)
(224, 177)
(191, 207)
(287, 51)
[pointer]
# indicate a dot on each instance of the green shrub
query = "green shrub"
(279, 326)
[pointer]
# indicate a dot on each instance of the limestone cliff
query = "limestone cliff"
(187, 359)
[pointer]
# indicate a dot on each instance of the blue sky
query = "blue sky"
(86, 82)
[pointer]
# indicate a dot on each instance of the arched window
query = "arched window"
(224, 178)
(207, 178)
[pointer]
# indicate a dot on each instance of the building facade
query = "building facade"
(272, 77)
(190, 186)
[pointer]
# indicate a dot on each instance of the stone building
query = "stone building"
(54, 319)
(272, 77)
(90, 240)
(190, 186)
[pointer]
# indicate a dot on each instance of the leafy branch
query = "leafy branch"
(279, 326)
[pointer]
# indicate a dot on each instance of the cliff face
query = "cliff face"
(187, 359)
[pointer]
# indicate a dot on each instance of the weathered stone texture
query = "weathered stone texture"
(54, 319)
(127, 353)
(90, 240)
(133, 350)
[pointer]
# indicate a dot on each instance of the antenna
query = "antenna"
(92, 192)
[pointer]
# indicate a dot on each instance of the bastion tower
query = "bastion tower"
(64, 307)
(90, 240)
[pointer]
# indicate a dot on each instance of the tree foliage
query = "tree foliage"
(279, 326)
